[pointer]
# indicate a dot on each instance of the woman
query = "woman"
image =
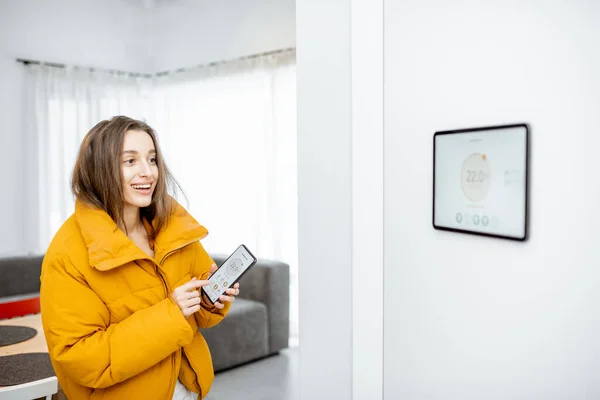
(121, 280)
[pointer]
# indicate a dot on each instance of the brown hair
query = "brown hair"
(97, 176)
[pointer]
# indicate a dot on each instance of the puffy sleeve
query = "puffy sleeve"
(92, 351)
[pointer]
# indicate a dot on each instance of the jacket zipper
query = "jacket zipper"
(162, 278)
(193, 369)
(179, 248)
(156, 266)
(167, 296)
(166, 288)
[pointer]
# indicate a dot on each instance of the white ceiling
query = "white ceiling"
(151, 3)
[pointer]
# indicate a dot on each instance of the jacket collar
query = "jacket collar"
(109, 247)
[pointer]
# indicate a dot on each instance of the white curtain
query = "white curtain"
(229, 137)
(63, 105)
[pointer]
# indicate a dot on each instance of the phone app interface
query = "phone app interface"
(480, 179)
(228, 273)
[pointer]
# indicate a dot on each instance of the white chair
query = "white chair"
(30, 390)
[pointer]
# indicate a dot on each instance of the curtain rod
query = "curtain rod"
(215, 63)
(157, 74)
(60, 65)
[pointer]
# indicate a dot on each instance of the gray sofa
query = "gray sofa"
(20, 275)
(256, 326)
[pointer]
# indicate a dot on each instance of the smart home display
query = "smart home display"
(480, 181)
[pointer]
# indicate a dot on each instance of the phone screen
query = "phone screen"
(229, 272)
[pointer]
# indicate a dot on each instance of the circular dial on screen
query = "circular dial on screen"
(234, 267)
(475, 177)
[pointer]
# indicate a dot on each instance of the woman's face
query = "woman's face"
(140, 172)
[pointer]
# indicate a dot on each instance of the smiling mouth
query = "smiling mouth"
(142, 187)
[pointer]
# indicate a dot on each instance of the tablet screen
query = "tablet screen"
(480, 181)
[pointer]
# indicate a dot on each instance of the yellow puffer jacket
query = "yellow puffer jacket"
(111, 328)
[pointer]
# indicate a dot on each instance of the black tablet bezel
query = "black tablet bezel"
(526, 202)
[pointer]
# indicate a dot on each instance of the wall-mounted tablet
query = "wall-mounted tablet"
(480, 181)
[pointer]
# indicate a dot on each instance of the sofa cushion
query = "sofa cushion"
(241, 336)
(268, 282)
(20, 275)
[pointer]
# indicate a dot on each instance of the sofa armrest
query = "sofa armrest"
(268, 282)
(20, 275)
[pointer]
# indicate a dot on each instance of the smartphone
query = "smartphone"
(230, 272)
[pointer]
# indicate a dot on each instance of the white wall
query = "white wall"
(340, 198)
(109, 34)
(324, 199)
(192, 32)
(81, 32)
(366, 36)
(477, 318)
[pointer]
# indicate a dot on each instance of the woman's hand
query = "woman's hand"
(230, 293)
(187, 296)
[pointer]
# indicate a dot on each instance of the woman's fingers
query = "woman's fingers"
(191, 302)
(234, 291)
(192, 285)
(223, 298)
(191, 310)
(184, 296)
(187, 296)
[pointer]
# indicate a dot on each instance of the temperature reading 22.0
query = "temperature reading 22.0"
(475, 177)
